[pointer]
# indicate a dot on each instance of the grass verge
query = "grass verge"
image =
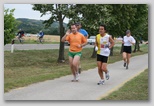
(22, 67)
(135, 89)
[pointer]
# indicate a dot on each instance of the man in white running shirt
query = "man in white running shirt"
(104, 43)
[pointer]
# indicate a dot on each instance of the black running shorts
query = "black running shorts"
(127, 49)
(101, 58)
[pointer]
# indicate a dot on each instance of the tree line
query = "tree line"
(117, 17)
(34, 26)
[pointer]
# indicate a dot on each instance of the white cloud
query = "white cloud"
(26, 11)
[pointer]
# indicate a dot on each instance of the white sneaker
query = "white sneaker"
(107, 75)
(74, 79)
(77, 76)
(101, 82)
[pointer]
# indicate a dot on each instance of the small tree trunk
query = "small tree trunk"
(135, 48)
(111, 53)
(61, 58)
(94, 54)
(138, 47)
(122, 46)
(61, 46)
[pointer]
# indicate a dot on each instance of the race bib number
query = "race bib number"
(102, 45)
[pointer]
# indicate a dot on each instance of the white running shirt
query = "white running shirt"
(126, 40)
(104, 41)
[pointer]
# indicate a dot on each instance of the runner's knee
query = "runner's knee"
(104, 68)
(75, 64)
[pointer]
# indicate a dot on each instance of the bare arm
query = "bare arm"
(111, 41)
(96, 43)
(84, 44)
(63, 38)
(87, 36)
(133, 41)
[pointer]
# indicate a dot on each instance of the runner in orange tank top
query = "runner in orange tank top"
(77, 41)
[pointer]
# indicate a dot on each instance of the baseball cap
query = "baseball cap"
(78, 23)
(128, 31)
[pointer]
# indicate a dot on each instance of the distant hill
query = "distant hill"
(34, 26)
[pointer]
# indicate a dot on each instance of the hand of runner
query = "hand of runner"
(130, 41)
(122, 41)
(79, 46)
(68, 32)
(96, 48)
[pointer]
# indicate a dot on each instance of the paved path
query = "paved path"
(86, 89)
(39, 46)
(36, 46)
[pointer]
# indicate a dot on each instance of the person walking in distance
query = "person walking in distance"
(20, 34)
(128, 41)
(77, 41)
(85, 34)
(41, 35)
(103, 44)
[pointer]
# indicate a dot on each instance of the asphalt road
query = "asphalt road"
(38, 46)
(32, 46)
(86, 89)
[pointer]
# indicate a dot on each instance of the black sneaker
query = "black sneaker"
(79, 70)
(124, 64)
(127, 67)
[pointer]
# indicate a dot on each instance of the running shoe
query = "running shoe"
(77, 77)
(127, 67)
(101, 82)
(124, 64)
(107, 75)
(79, 70)
(74, 79)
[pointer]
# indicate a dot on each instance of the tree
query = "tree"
(10, 25)
(58, 13)
(91, 16)
(137, 47)
(128, 16)
(140, 25)
(117, 17)
(122, 17)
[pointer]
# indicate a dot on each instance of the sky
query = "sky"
(26, 11)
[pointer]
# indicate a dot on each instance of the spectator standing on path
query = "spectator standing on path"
(128, 41)
(85, 34)
(103, 44)
(77, 41)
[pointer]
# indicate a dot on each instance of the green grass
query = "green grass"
(23, 67)
(135, 89)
